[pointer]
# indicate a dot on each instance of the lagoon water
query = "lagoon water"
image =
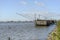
(24, 31)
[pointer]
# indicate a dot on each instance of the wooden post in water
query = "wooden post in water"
(35, 19)
(9, 38)
(35, 16)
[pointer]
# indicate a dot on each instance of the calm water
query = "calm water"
(24, 31)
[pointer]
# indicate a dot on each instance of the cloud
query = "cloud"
(23, 2)
(39, 3)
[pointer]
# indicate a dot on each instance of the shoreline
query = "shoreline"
(51, 34)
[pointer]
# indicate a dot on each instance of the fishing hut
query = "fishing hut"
(44, 22)
(40, 22)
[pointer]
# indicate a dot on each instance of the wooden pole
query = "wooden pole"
(9, 38)
(35, 19)
(39, 16)
(35, 16)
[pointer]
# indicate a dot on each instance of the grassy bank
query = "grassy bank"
(55, 34)
(58, 30)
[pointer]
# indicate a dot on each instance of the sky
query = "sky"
(49, 9)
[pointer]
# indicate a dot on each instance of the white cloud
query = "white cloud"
(23, 2)
(39, 3)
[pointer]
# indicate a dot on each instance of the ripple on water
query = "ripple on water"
(24, 31)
